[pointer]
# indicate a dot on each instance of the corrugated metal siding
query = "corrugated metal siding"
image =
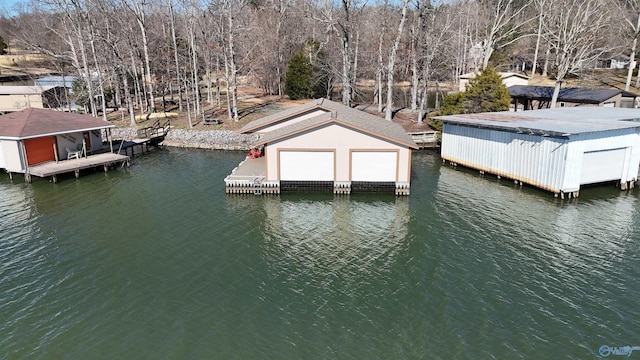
(532, 159)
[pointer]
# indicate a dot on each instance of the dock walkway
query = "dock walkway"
(248, 178)
(53, 168)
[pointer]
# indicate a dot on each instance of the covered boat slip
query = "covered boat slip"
(557, 150)
(326, 146)
(53, 168)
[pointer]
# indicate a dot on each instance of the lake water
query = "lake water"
(156, 261)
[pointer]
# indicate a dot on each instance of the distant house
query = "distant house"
(539, 97)
(612, 63)
(62, 81)
(14, 98)
(324, 145)
(34, 136)
(558, 150)
(508, 79)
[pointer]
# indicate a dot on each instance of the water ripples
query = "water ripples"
(156, 261)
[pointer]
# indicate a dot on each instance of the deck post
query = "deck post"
(108, 131)
(10, 175)
(77, 172)
(55, 151)
(54, 178)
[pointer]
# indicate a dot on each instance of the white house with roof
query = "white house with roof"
(558, 150)
(508, 79)
(34, 136)
(324, 145)
(14, 98)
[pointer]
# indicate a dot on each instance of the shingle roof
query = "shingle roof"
(553, 122)
(504, 75)
(334, 113)
(577, 95)
(31, 122)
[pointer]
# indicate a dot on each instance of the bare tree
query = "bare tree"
(138, 7)
(576, 31)
(542, 8)
(174, 42)
(392, 61)
(630, 11)
(505, 22)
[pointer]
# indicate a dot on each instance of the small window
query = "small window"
(561, 104)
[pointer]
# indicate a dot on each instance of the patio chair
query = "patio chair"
(83, 151)
(73, 154)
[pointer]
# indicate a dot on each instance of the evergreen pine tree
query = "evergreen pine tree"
(486, 93)
(306, 78)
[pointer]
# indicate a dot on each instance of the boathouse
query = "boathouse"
(324, 145)
(43, 142)
(558, 150)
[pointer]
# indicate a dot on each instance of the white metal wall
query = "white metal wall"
(306, 165)
(11, 155)
(554, 164)
(532, 159)
(2, 162)
(374, 166)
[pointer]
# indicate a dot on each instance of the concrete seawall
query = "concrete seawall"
(201, 139)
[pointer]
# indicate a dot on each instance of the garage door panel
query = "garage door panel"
(307, 165)
(605, 165)
(374, 166)
(39, 150)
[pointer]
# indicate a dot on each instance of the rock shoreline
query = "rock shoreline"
(199, 139)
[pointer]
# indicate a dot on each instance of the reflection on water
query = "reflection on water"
(337, 238)
(549, 264)
(158, 262)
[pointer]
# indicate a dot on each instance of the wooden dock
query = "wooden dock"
(53, 168)
(425, 139)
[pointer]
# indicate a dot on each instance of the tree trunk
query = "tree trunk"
(632, 57)
(140, 18)
(545, 68)
(392, 61)
(129, 100)
(556, 91)
(232, 66)
(175, 53)
(379, 72)
(535, 55)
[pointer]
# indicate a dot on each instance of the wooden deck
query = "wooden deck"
(53, 168)
(248, 170)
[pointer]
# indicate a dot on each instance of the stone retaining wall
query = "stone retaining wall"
(202, 139)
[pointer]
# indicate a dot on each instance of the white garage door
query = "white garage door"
(605, 165)
(374, 165)
(306, 165)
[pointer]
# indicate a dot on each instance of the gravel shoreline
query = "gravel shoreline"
(200, 139)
